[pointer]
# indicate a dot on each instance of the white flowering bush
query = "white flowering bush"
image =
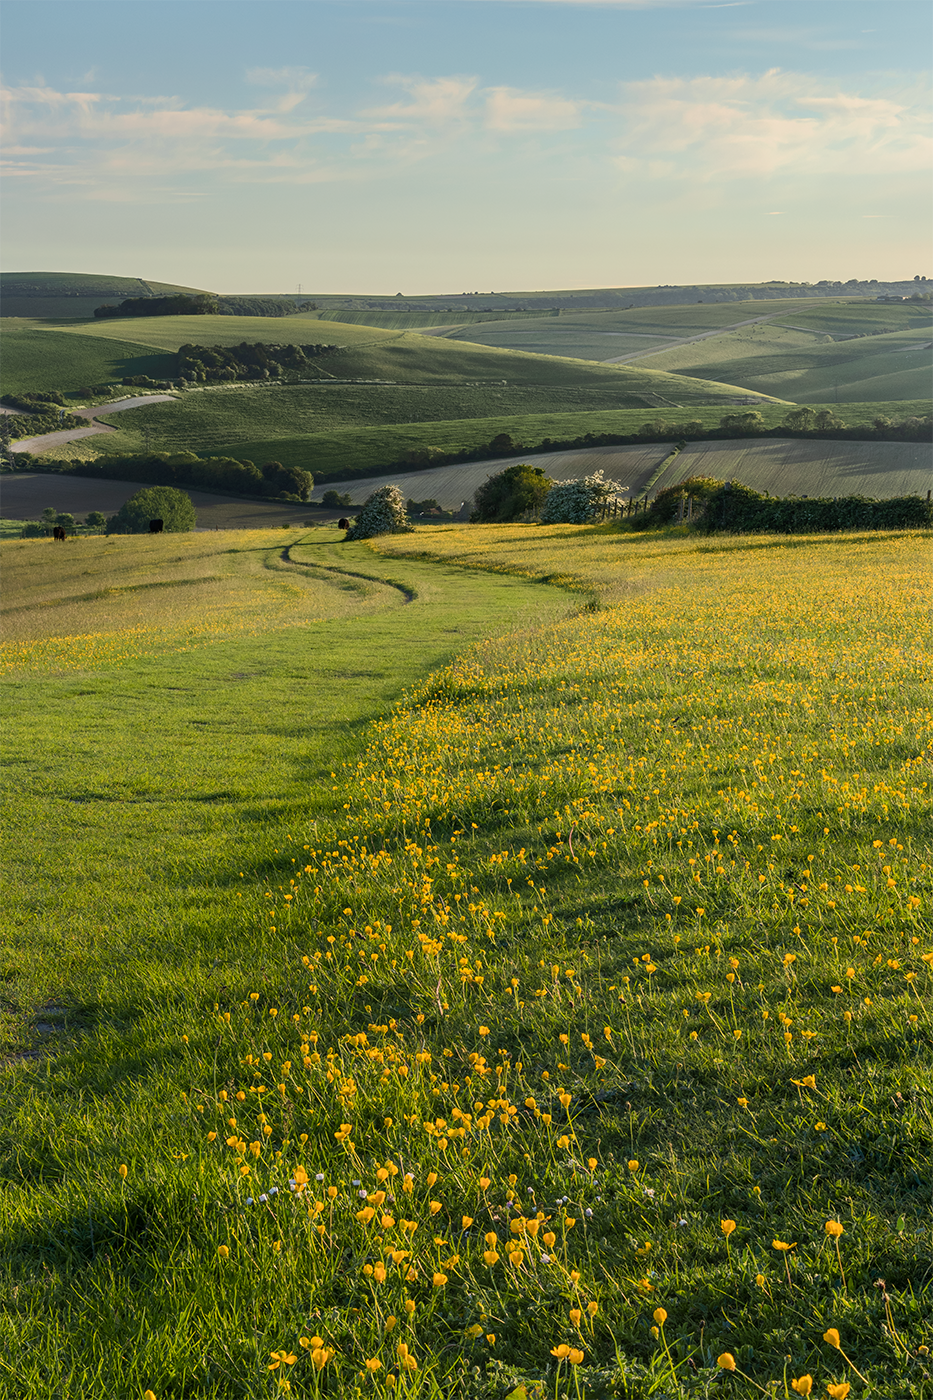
(577, 502)
(383, 513)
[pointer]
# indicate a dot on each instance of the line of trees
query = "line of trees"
(272, 480)
(262, 306)
(202, 305)
(728, 506)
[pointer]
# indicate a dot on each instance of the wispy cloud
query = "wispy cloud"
(691, 131)
(508, 109)
(746, 126)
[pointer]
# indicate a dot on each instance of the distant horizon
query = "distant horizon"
(835, 284)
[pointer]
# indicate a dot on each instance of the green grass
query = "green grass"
(399, 356)
(594, 821)
(45, 359)
(71, 294)
(350, 422)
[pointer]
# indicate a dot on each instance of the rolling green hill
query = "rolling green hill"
(368, 352)
(810, 365)
(35, 359)
(69, 294)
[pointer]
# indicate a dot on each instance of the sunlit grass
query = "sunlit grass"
(579, 1039)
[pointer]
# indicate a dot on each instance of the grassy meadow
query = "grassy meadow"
(492, 963)
(36, 358)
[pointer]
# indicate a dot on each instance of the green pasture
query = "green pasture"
(314, 416)
(70, 294)
(642, 858)
(51, 359)
(349, 451)
(368, 352)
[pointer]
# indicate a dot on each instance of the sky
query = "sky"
(378, 146)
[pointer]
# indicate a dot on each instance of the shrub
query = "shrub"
(666, 503)
(510, 494)
(163, 503)
(32, 530)
(383, 513)
(336, 500)
(577, 502)
(737, 509)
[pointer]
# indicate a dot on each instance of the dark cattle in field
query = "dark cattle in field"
(155, 527)
(343, 523)
(58, 533)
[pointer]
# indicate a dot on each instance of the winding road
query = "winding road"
(47, 440)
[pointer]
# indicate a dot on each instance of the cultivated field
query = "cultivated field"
(810, 366)
(450, 1051)
(27, 494)
(631, 468)
(800, 468)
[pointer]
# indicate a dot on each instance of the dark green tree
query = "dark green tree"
(510, 494)
(288, 481)
(65, 519)
(337, 500)
(95, 520)
(165, 503)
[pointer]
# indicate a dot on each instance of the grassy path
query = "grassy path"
(136, 794)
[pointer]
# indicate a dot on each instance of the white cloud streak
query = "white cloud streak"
(687, 130)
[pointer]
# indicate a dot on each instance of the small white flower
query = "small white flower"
(545, 1258)
(273, 1190)
(362, 1195)
(319, 1176)
(588, 1213)
(263, 1198)
(249, 1200)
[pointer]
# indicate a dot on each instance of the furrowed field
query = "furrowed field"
(563, 1030)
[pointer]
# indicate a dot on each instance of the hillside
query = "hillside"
(367, 352)
(850, 351)
(72, 294)
(35, 358)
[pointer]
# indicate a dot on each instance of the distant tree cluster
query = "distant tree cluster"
(38, 413)
(262, 306)
(180, 305)
(219, 364)
(242, 478)
(94, 522)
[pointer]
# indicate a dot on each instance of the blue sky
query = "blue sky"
(449, 145)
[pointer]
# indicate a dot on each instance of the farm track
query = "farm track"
(46, 440)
